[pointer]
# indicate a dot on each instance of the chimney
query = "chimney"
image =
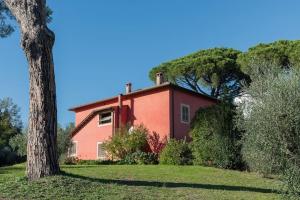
(159, 78)
(128, 88)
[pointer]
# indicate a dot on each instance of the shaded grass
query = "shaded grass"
(138, 182)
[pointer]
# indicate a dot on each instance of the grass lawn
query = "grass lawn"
(138, 182)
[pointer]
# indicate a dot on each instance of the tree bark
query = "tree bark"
(37, 42)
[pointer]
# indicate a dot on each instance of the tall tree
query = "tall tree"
(271, 125)
(37, 41)
(284, 53)
(214, 72)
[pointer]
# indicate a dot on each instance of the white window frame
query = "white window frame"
(99, 118)
(181, 113)
(76, 149)
(99, 157)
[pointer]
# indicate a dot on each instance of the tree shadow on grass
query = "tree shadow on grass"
(10, 170)
(78, 166)
(172, 184)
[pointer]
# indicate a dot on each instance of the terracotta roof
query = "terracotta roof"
(167, 84)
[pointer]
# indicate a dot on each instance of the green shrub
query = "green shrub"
(216, 142)
(136, 139)
(95, 162)
(71, 161)
(10, 126)
(18, 143)
(291, 179)
(115, 147)
(8, 157)
(126, 142)
(88, 162)
(128, 160)
(107, 162)
(10, 121)
(76, 161)
(141, 158)
(64, 139)
(176, 152)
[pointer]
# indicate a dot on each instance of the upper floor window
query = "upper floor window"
(185, 113)
(105, 118)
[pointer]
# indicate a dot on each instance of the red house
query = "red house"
(164, 108)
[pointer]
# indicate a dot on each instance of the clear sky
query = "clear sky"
(103, 44)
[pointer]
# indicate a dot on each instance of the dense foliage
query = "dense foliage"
(6, 20)
(284, 53)
(8, 157)
(176, 152)
(5, 16)
(10, 122)
(141, 158)
(64, 140)
(212, 71)
(156, 143)
(126, 142)
(215, 140)
(271, 124)
(10, 126)
(18, 143)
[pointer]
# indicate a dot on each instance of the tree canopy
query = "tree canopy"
(5, 16)
(284, 53)
(214, 72)
(6, 20)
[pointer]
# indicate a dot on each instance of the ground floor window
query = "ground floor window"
(73, 148)
(101, 154)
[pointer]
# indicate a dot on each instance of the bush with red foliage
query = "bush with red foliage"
(156, 144)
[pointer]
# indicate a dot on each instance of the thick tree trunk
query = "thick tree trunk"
(37, 42)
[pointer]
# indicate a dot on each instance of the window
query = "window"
(73, 148)
(100, 151)
(105, 118)
(185, 113)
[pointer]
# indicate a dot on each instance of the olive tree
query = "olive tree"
(271, 125)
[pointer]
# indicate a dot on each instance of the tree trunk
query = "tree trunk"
(37, 42)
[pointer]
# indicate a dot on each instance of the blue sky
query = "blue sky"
(101, 45)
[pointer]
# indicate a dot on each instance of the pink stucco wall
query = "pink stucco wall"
(153, 111)
(150, 109)
(181, 130)
(88, 137)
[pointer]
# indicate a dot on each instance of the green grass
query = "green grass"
(138, 182)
